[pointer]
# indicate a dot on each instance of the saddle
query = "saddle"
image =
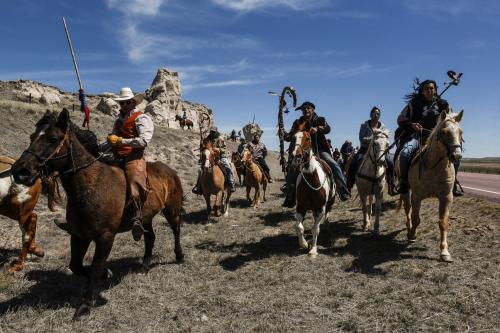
(327, 169)
(5, 164)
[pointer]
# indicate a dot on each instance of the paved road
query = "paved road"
(481, 185)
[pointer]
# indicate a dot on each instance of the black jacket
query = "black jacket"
(318, 137)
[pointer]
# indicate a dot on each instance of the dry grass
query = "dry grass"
(246, 273)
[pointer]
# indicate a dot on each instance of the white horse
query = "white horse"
(370, 178)
(315, 189)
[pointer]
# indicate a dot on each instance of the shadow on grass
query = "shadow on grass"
(274, 219)
(248, 252)
(368, 249)
(198, 217)
(7, 254)
(239, 203)
(54, 289)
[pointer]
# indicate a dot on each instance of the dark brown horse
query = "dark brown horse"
(240, 168)
(97, 207)
(184, 122)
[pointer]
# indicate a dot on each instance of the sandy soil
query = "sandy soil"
(245, 272)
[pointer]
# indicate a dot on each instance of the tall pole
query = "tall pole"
(72, 54)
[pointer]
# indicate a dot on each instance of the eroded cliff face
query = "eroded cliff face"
(163, 99)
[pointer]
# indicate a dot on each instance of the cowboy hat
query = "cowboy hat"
(126, 94)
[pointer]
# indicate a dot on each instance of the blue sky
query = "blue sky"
(345, 56)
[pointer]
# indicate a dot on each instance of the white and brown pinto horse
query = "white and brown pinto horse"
(370, 178)
(17, 202)
(213, 182)
(315, 189)
(432, 174)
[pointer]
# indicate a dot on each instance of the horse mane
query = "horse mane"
(437, 128)
(86, 137)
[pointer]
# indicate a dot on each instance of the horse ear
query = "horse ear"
(443, 116)
(458, 117)
(63, 119)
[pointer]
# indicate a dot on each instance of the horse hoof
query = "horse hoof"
(226, 213)
(313, 253)
(15, 267)
(83, 310)
(38, 253)
(304, 246)
(446, 258)
(412, 240)
(179, 258)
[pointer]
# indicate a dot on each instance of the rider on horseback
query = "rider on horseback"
(318, 129)
(365, 136)
(218, 144)
(416, 121)
(259, 153)
(131, 134)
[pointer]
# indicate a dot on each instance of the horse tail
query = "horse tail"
(399, 204)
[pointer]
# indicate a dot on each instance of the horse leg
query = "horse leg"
(366, 210)
(217, 203)
(248, 193)
(103, 245)
(149, 242)
(318, 219)
(32, 230)
(226, 203)
(256, 196)
(174, 220)
(79, 247)
(415, 218)
(408, 209)
(28, 234)
(209, 207)
(264, 188)
(444, 211)
(300, 230)
(378, 208)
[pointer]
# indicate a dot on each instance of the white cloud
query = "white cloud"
(137, 7)
(218, 84)
(251, 5)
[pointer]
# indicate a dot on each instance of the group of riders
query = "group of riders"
(133, 131)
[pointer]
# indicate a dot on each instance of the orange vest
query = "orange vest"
(127, 130)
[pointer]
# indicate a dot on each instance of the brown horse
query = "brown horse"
(17, 202)
(240, 168)
(184, 122)
(97, 207)
(254, 178)
(432, 174)
(212, 181)
(315, 189)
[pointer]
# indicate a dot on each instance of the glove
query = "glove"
(114, 140)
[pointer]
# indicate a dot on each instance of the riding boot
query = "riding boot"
(197, 188)
(344, 193)
(403, 187)
(290, 198)
(137, 227)
(457, 189)
(391, 187)
(62, 225)
(268, 176)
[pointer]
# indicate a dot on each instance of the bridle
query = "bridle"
(304, 160)
(42, 168)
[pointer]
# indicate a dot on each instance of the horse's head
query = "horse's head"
(449, 133)
(247, 156)
(208, 155)
(378, 145)
(50, 145)
(177, 117)
(303, 145)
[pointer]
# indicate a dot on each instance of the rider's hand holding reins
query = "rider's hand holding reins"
(416, 127)
(114, 140)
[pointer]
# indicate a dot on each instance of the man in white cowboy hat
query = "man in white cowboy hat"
(131, 134)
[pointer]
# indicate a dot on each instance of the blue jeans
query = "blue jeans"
(337, 171)
(225, 163)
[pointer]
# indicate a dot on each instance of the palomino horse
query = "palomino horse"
(213, 182)
(370, 177)
(184, 122)
(432, 174)
(17, 202)
(97, 207)
(240, 168)
(254, 177)
(315, 189)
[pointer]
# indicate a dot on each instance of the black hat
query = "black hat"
(306, 104)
